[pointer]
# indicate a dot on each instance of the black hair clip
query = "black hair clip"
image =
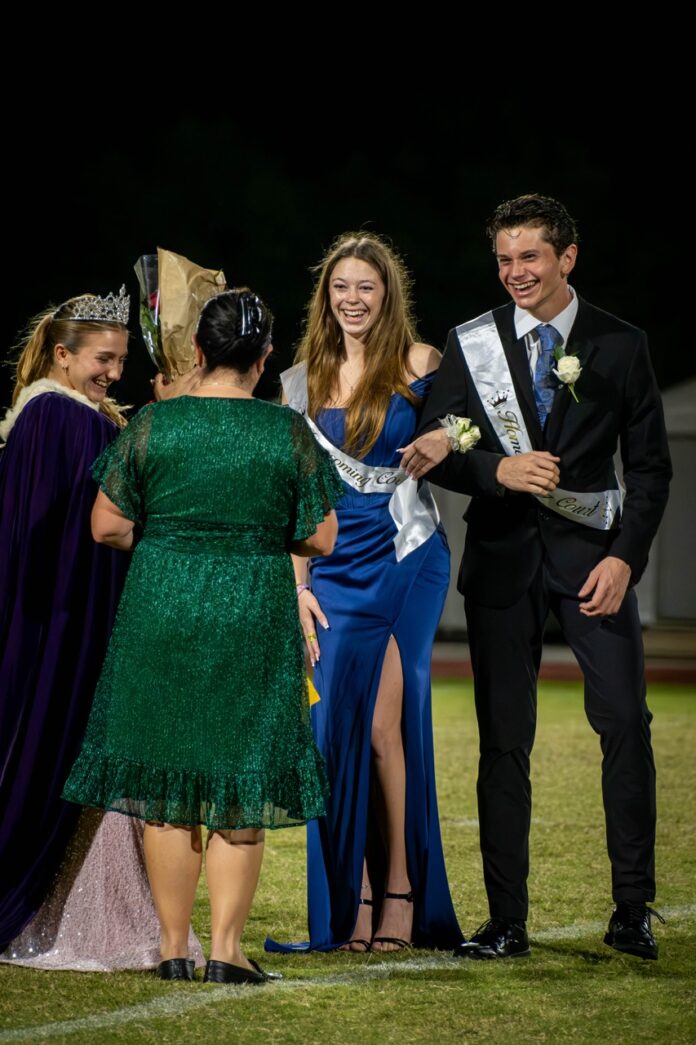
(250, 316)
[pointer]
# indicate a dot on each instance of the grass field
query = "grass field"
(573, 988)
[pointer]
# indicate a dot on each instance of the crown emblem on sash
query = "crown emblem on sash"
(499, 397)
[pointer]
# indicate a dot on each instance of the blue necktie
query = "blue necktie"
(545, 383)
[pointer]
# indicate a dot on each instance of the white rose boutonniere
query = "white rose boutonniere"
(461, 434)
(567, 370)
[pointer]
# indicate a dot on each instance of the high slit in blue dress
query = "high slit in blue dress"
(368, 596)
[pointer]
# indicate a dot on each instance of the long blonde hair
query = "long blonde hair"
(386, 343)
(56, 327)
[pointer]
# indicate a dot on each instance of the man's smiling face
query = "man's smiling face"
(531, 271)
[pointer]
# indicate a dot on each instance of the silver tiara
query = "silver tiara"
(110, 309)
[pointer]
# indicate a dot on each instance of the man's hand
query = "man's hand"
(607, 584)
(535, 472)
(424, 453)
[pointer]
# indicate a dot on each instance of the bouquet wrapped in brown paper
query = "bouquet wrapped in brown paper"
(173, 290)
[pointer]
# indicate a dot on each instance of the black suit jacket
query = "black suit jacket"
(619, 406)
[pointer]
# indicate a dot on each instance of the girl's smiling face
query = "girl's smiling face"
(356, 294)
(97, 363)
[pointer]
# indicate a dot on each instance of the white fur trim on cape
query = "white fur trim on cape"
(38, 388)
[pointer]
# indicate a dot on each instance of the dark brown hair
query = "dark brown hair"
(537, 212)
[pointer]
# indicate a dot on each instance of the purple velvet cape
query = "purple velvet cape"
(58, 596)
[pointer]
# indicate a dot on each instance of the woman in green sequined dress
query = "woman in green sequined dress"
(201, 712)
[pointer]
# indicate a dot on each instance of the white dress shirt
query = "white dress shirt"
(526, 324)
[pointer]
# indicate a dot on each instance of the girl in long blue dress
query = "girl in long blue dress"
(376, 873)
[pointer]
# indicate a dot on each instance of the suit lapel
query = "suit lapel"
(516, 354)
(580, 344)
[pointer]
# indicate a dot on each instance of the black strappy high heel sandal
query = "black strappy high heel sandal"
(396, 940)
(367, 946)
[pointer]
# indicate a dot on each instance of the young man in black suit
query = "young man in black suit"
(555, 386)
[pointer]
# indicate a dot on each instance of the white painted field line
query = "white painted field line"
(183, 1002)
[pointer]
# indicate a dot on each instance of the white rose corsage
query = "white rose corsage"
(567, 370)
(461, 434)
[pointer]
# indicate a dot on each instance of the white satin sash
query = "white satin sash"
(411, 505)
(485, 357)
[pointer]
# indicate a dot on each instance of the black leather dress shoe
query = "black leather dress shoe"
(224, 972)
(176, 969)
(630, 931)
(497, 938)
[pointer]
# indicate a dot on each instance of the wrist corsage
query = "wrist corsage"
(460, 432)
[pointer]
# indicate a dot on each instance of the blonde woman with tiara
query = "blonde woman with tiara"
(58, 596)
(369, 611)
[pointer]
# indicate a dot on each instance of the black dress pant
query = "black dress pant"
(505, 648)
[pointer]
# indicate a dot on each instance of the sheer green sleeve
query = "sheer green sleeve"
(319, 487)
(119, 469)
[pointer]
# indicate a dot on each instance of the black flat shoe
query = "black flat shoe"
(497, 938)
(630, 931)
(177, 969)
(224, 972)
(272, 977)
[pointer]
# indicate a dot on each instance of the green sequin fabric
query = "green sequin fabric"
(201, 713)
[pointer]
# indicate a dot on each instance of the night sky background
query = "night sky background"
(262, 190)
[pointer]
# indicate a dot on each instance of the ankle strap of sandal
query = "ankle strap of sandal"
(408, 897)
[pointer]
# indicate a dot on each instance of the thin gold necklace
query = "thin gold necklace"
(222, 384)
(355, 380)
